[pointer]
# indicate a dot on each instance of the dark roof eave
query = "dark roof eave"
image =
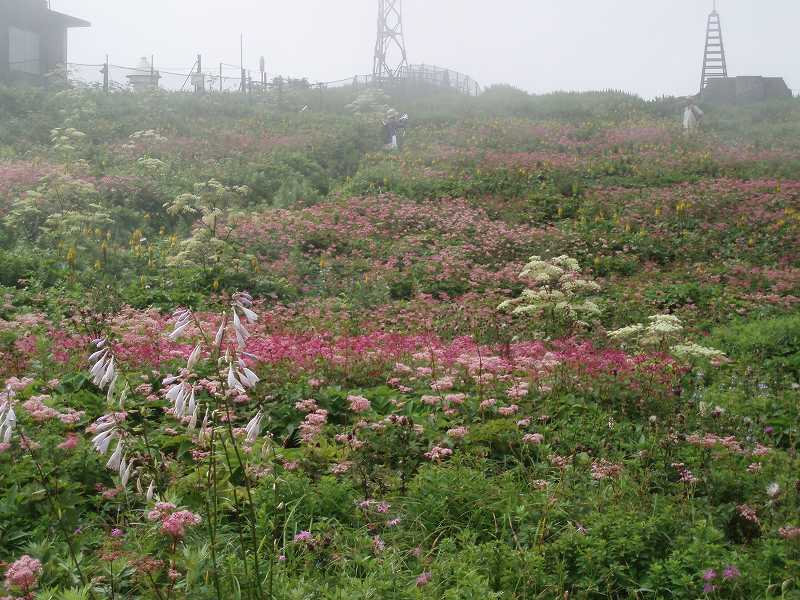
(69, 21)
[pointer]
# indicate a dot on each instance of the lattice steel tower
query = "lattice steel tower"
(390, 48)
(714, 63)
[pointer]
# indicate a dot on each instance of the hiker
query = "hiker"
(692, 117)
(392, 125)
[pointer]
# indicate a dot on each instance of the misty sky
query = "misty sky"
(650, 47)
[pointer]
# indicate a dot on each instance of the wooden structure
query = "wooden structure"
(715, 66)
(33, 40)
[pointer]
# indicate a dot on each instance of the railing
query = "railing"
(230, 78)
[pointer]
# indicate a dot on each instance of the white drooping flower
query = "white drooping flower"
(233, 380)
(194, 357)
(220, 333)
(253, 429)
(102, 440)
(242, 303)
(183, 318)
(246, 376)
(125, 471)
(8, 419)
(116, 457)
(103, 369)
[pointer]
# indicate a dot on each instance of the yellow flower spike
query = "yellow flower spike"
(215, 285)
(97, 265)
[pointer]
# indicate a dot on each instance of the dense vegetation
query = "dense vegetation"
(549, 349)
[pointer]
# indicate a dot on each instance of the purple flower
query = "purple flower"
(709, 588)
(731, 572)
(424, 579)
(304, 537)
(709, 575)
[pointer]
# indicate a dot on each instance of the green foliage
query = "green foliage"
(771, 346)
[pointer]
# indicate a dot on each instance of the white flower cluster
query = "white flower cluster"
(556, 284)
(664, 330)
(147, 135)
(66, 139)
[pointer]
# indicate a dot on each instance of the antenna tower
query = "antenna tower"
(390, 48)
(714, 63)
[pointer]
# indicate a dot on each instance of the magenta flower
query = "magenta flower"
(709, 575)
(731, 572)
(303, 537)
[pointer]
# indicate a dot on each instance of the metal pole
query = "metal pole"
(220, 77)
(199, 87)
(105, 75)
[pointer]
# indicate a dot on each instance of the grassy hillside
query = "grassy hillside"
(548, 349)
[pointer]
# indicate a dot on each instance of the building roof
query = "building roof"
(38, 11)
(68, 21)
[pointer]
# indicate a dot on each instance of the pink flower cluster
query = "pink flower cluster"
(748, 513)
(686, 476)
(173, 522)
(23, 573)
(603, 469)
(312, 426)
(789, 533)
(40, 412)
(438, 453)
(532, 439)
(359, 404)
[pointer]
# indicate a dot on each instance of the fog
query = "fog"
(650, 47)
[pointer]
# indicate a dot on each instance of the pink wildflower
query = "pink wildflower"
(458, 432)
(424, 579)
(438, 453)
(69, 442)
(304, 537)
(748, 513)
(486, 404)
(532, 439)
(358, 404)
(789, 533)
(378, 545)
(175, 524)
(604, 469)
(731, 572)
(23, 573)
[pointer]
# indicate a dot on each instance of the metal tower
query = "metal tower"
(390, 48)
(714, 63)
